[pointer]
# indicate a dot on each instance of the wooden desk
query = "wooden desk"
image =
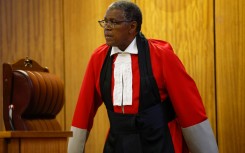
(34, 142)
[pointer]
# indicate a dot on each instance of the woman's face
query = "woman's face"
(118, 34)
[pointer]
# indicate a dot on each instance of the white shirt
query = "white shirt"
(122, 93)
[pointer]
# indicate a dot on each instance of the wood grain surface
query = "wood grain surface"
(82, 36)
(230, 69)
(32, 28)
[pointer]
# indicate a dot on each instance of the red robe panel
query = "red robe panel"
(172, 80)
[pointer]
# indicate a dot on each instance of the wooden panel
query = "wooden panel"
(41, 145)
(3, 145)
(188, 26)
(35, 134)
(230, 57)
(82, 35)
(8, 146)
(32, 28)
(31, 141)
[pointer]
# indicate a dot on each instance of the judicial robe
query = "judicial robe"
(172, 82)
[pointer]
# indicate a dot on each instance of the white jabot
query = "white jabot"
(122, 93)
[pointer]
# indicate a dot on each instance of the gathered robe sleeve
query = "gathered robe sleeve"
(186, 101)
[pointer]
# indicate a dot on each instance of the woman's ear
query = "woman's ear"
(133, 27)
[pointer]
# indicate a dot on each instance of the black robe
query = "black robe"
(147, 131)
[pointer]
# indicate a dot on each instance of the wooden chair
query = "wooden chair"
(32, 97)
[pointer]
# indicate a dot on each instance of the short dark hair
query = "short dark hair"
(131, 10)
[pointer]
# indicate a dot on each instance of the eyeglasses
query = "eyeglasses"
(111, 24)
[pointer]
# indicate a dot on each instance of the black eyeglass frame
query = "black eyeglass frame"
(112, 24)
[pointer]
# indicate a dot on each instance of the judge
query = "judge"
(153, 105)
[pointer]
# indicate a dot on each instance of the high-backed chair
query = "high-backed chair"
(32, 97)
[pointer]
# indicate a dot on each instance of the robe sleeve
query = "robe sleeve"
(188, 105)
(87, 105)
